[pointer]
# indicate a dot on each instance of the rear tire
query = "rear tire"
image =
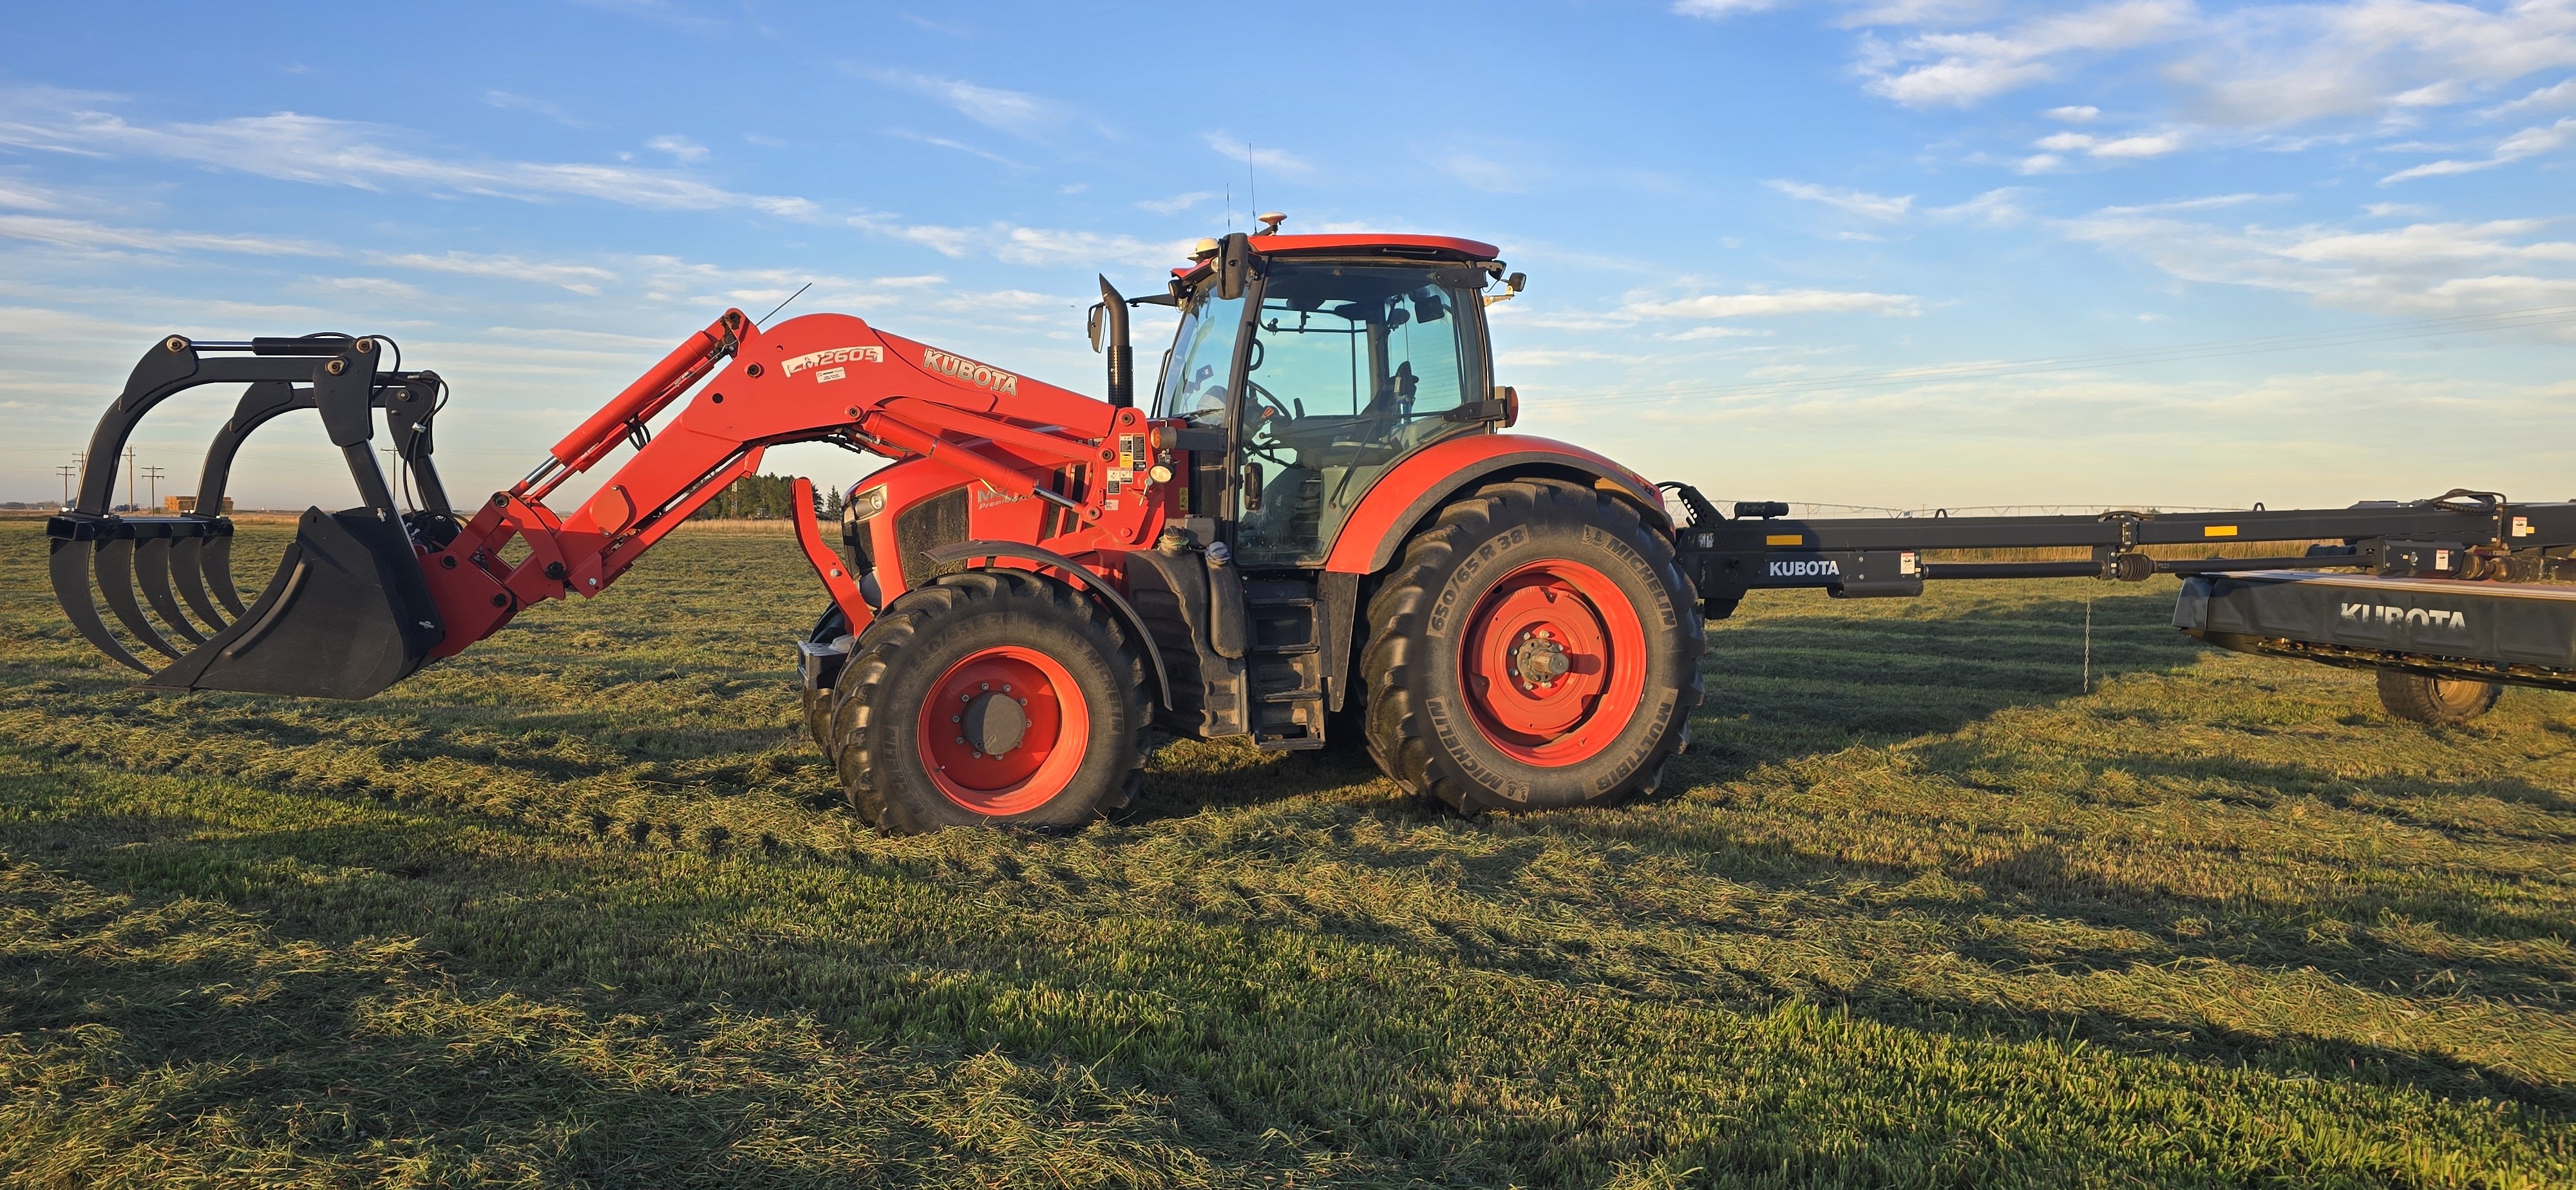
(2442, 702)
(1535, 648)
(990, 659)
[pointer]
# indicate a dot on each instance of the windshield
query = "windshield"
(1200, 367)
(1346, 341)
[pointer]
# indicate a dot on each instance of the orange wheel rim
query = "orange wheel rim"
(1002, 731)
(1554, 663)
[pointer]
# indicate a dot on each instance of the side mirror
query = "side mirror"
(1233, 265)
(1096, 308)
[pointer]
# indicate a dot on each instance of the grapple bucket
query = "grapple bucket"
(348, 612)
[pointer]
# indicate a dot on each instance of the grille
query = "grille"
(938, 521)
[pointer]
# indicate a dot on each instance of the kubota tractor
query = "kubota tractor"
(1318, 533)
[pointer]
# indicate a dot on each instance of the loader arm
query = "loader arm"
(821, 377)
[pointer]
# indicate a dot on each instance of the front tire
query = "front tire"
(1534, 649)
(990, 698)
(2441, 702)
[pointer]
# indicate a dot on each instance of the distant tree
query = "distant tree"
(753, 498)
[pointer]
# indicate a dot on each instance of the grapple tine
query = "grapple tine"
(71, 572)
(187, 556)
(116, 583)
(216, 557)
(152, 573)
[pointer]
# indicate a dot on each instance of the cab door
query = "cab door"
(1344, 369)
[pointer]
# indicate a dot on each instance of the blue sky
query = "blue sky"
(1808, 251)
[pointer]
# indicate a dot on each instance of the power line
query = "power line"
(2417, 328)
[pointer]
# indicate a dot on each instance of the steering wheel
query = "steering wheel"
(1265, 439)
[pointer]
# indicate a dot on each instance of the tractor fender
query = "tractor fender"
(1411, 490)
(977, 555)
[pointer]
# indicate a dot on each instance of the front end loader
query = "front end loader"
(1317, 533)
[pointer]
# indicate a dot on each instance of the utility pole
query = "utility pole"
(67, 471)
(129, 477)
(153, 475)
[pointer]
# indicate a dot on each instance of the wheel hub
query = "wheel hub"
(1553, 662)
(1002, 730)
(994, 722)
(1539, 659)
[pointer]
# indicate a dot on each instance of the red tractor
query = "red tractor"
(1316, 533)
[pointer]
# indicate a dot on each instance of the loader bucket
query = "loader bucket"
(347, 613)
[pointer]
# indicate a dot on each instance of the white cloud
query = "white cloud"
(2254, 65)
(1718, 10)
(1962, 68)
(960, 146)
(2279, 65)
(26, 196)
(2419, 269)
(1855, 202)
(514, 102)
(2101, 148)
(1484, 173)
(2562, 94)
(1035, 246)
(322, 151)
(1177, 203)
(1017, 112)
(680, 148)
(2210, 202)
(79, 233)
(382, 287)
(1279, 160)
(1769, 305)
(2530, 142)
(579, 278)
(1994, 208)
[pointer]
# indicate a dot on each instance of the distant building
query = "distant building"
(189, 504)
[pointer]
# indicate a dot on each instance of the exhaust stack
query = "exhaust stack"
(1122, 356)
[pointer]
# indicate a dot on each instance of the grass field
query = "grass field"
(579, 908)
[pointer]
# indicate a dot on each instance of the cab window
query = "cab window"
(1350, 367)
(1200, 369)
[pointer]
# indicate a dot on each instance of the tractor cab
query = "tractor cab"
(1322, 359)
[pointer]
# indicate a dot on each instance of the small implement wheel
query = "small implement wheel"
(2442, 702)
(991, 698)
(1534, 648)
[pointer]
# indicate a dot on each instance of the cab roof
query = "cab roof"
(1394, 247)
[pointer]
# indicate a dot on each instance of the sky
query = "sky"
(1872, 253)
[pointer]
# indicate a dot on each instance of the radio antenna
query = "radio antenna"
(773, 313)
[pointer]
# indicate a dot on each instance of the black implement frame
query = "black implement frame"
(2461, 534)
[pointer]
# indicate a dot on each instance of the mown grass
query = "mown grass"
(578, 908)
